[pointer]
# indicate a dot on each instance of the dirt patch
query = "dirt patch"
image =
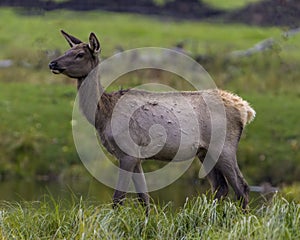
(269, 13)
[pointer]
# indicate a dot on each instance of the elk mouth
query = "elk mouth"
(54, 67)
(57, 71)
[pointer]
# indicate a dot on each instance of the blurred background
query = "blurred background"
(249, 47)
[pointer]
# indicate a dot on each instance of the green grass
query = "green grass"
(269, 149)
(37, 136)
(37, 105)
(33, 143)
(128, 30)
(292, 192)
(199, 218)
(229, 5)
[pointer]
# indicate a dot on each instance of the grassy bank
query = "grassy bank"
(32, 142)
(36, 135)
(37, 138)
(229, 5)
(130, 31)
(199, 218)
(36, 106)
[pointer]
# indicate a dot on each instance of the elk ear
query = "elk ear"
(70, 39)
(94, 44)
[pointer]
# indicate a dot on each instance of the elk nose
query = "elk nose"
(53, 65)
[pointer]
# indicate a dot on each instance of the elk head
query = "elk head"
(78, 61)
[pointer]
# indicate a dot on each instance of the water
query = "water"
(92, 190)
(22, 190)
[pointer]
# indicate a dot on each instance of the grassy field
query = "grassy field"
(199, 218)
(130, 31)
(36, 137)
(229, 5)
(36, 130)
(34, 142)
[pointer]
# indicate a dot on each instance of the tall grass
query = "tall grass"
(199, 218)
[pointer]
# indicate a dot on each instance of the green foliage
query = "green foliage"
(269, 148)
(32, 142)
(199, 218)
(292, 192)
(229, 5)
(39, 117)
(38, 33)
(36, 105)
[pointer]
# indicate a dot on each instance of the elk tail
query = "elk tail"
(246, 111)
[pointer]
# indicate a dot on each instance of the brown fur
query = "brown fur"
(108, 101)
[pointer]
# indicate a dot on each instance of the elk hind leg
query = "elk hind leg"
(218, 183)
(216, 178)
(228, 165)
(140, 184)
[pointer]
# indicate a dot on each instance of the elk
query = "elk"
(82, 58)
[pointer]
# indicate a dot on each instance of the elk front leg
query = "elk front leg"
(140, 185)
(127, 165)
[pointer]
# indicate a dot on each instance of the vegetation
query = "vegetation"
(36, 137)
(36, 130)
(199, 218)
(127, 30)
(292, 192)
(33, 145)
(229, 5)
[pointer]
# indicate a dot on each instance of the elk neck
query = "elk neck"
(90, 92)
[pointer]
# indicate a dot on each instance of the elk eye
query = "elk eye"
(80, 55)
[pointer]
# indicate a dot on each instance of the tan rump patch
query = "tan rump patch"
(246, 111)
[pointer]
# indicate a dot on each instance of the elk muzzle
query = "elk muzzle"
(54, 67)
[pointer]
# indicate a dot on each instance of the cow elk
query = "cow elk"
(82, 58)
